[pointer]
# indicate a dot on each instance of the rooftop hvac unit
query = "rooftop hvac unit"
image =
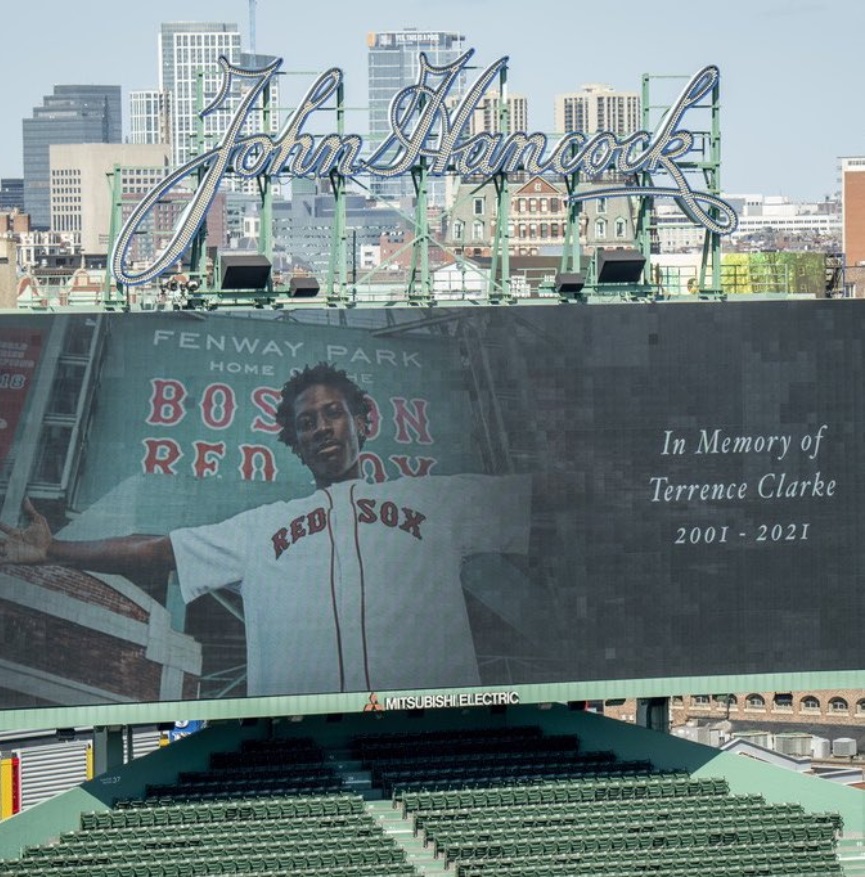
(844, 747)
(698, 734)
(758, 738)
(820, 748)
(797, 745)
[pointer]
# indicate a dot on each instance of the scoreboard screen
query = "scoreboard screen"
(200, 507)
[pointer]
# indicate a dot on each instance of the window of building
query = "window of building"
(621, 227)
(479, 206)
(700, 700)
(838, 705)
(533, 231)
(545, 205)
(600, 228)
(545, 230)
(860, 707)
(459, 229)
(601, 205)
(810, 703)
(477, 230)
(521, 205)
(783, 701)
(533, 205)
(755, 702)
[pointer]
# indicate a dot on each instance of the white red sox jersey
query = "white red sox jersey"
(357, 587)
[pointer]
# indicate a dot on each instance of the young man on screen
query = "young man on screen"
(353, 588)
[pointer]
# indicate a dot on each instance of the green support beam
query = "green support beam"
(115, 184)
(500, 290)
(419, 289)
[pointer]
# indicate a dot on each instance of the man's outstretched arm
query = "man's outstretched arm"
(35, 544)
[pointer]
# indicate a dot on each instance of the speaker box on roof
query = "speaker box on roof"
(244, 271)
(620, 266)
(303, 287)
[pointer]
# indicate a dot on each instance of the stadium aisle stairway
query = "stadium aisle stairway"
(470, 803)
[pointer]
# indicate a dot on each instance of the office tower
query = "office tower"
(73, 114)
(11, 194)
(189, 51)
(149, 117)
(394, 63)
(189, 55)
(598, 108)
(81, 202)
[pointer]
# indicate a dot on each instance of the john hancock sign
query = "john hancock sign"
(425, 127)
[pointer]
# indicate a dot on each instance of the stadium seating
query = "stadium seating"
(548, 808)
(511, 802)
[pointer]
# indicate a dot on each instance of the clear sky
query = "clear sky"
(792, 71)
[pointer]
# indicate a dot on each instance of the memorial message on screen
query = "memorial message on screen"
(438, 500)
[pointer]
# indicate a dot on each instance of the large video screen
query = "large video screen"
(233, 504)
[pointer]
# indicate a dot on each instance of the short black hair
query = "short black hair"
(315, 375)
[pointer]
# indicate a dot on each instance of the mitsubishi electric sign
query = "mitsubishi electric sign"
(426, 131)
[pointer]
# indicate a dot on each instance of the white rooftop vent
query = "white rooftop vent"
(844, 747)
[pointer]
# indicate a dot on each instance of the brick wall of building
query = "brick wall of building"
(842, 706)
(853, 199)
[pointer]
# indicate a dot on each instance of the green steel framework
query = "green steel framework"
(709, 164)
(419, 289)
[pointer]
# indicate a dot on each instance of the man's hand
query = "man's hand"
(29, 544)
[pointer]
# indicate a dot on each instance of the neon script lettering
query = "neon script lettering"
(423, 128)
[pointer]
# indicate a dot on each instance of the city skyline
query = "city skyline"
(787, 68)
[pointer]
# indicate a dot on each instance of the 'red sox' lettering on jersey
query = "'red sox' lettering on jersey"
(370, 511)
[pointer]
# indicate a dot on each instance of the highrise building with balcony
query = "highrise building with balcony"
(487, 114)
(598, 108)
